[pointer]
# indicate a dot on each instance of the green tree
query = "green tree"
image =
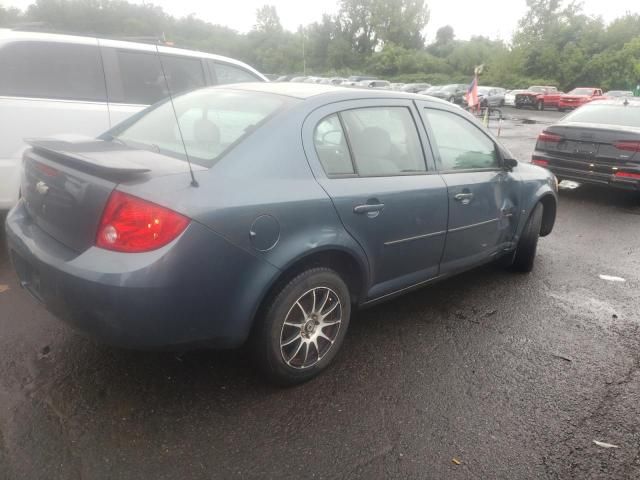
(267, 20)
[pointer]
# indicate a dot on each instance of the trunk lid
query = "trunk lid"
(66, 185)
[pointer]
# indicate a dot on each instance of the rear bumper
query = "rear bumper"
(587, 176)
(198, 290)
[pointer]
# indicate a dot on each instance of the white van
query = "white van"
(58, 84)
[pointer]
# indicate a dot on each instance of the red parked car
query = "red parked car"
(578, 97)
(538, 97)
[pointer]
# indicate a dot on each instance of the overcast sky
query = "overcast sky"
(492, 18)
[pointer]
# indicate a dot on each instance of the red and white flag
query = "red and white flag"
(472, 92)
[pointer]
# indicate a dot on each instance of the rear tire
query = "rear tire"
(525, 253)
(560, 109)
(302, 327)
(452, 99)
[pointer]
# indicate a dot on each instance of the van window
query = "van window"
(183, 73)
(52, 70)
(141, 78)
(225, 73)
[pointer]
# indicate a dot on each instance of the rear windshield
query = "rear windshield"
(581, 91)
(606, 114)
(211, 122)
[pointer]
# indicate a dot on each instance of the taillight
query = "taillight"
(634, 176)
(539, 161)
(130, 224)
(549, 137)
(629, 146)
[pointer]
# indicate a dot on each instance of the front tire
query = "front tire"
(525, 254)
(303, 326)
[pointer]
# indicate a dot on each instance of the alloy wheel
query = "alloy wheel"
(310, 327)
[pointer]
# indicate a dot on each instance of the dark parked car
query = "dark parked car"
(414, 87)
(452, 93)
(597, 143)
(306, 201)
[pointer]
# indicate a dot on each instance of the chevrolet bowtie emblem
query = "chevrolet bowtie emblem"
(42, 188)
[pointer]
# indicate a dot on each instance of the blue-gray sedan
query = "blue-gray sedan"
(304, 202)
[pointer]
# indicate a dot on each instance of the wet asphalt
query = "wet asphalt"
(490, 375)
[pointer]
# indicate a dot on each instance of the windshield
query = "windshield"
(211, 122)
(449, 88)
(595, 112)
(581, 91)
(483, 90)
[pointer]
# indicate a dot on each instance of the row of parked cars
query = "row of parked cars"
(454, 93)
(539, 97)
(542, 97)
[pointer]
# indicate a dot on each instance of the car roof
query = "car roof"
(329, 92)
(7, 35)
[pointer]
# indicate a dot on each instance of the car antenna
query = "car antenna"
(194, 182)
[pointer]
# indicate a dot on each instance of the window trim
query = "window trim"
(357, 174)
(436, 150)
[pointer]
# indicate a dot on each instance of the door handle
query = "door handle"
(465, 198)
(368, 208)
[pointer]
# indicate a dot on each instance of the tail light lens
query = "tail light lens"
(539, 161)
(130, 224)
(549, 137)
(631, 175)
(629, 146)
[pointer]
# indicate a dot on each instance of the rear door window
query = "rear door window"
(137, 78)
(384, 141)
(183, 73)
(225, 73)
(52, 70)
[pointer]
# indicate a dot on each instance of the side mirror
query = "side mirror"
(509, 163)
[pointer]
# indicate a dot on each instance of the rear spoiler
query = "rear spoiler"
(79, 155)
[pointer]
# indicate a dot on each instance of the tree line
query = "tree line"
(555, 43)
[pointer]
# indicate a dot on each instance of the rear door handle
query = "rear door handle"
(368, 208)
